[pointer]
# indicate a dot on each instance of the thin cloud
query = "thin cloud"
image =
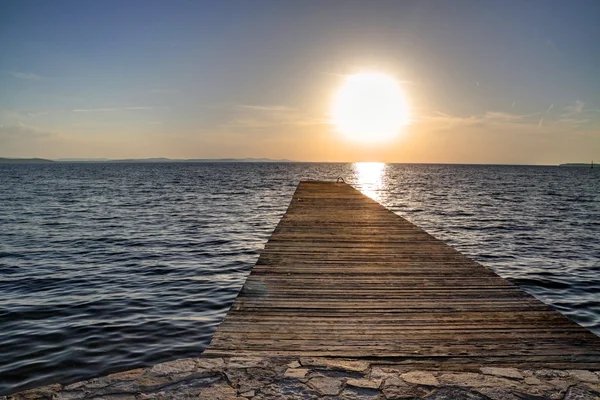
(85, 110)
(489, 118)
(22, 131)
(575, 115)
(266, 108)
(10, 116)
(35, 114)
(164, 91)
(575, 122)
(551, 44)
(509, 116)
(573, 109)
(25, 75)
(265, 116)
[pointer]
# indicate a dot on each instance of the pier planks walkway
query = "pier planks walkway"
(342, 276)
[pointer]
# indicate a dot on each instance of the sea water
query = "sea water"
(106, 267)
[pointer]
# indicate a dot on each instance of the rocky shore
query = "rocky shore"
(240, 378)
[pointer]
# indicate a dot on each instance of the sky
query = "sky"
(509, 82)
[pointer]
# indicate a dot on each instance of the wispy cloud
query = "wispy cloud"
(551, 44)
(25, 75)
(85, 110)
(265, 116)
(571, 119)
(488, 117)
(10, 116)
(22, 131)
(35, 114)
(499, 115)
(267, 108)
(574, 109)
(164, 91)
(575, 115)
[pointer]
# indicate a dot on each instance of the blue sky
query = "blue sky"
(494, 81)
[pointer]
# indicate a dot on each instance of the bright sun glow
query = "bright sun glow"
(370, 107)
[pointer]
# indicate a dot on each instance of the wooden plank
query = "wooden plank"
(342, 276)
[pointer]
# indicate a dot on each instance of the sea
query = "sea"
(106, 267)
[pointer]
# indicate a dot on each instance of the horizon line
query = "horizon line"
(258, 160)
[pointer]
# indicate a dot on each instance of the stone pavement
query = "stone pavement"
(239, 378)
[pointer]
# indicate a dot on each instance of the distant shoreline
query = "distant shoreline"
(7, 160)
(134, 160)
(586, 165)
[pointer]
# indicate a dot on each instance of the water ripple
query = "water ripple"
(107, 267)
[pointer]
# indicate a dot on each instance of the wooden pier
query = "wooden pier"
(342, 276)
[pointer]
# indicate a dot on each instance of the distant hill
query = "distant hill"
(137, 160)
(82, 159)
(188, 160)
(584, 165)
(24, 161)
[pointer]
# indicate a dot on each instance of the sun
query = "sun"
(370, 107)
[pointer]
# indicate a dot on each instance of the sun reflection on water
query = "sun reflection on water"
(369, 178)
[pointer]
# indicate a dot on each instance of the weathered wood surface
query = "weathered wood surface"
(343, 276)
